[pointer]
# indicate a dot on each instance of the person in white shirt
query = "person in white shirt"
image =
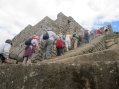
(4, 51)
(48, 44)
(106, 29)
(68, 40)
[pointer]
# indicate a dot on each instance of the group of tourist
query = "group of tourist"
(62, 42)
(49, 39)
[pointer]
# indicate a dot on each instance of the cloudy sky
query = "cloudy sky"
(15, 15)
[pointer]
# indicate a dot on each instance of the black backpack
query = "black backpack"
(28, 42)
(45, 36)
(86, 34)
(74, 35)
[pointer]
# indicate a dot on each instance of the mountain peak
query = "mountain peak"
(61, 15)
(28, 26)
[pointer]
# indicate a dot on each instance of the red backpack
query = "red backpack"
(59, 43)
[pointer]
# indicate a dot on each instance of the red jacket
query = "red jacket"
(98, 31)
(59, 43)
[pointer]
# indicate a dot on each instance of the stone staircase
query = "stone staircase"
(111, 40)
(98, 44)
(90, 66)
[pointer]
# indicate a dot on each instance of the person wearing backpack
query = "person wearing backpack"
(68, 38)
(31, 46)
(4, 51)
(49, 37)
(86, 36)
(75, 37)
(59, 46)
(106, 30)
(79, 40)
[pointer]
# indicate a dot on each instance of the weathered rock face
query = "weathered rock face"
(61, 24)
(92, 66)
(97, 70)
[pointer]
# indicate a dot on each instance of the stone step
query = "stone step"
(109, 40)
(84, 50)
(105, 55)
(116, 40)
(109, 44)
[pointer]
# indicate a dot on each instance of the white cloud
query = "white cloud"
(5, 35)
(17, 14)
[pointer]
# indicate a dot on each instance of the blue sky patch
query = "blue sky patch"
(114, 24)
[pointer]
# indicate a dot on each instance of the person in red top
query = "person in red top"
(98, 31)
(59, 46)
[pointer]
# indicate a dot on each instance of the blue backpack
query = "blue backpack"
(63, 37)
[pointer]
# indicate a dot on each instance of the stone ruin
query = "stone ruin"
(109, 27)
(91, 66)
(61, 24)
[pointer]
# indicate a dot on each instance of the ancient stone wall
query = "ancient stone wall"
(103, 42)
(93, 66)
(89, 71)
(100, 43)
(61, 24)
(109, 28)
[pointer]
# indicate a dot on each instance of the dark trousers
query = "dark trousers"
(86, 39)
(2, 58)
(59, 51)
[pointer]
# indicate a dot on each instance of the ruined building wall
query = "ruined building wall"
(61, 24)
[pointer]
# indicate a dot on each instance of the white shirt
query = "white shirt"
(105, 28)
(5, 48)
(52, 36)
